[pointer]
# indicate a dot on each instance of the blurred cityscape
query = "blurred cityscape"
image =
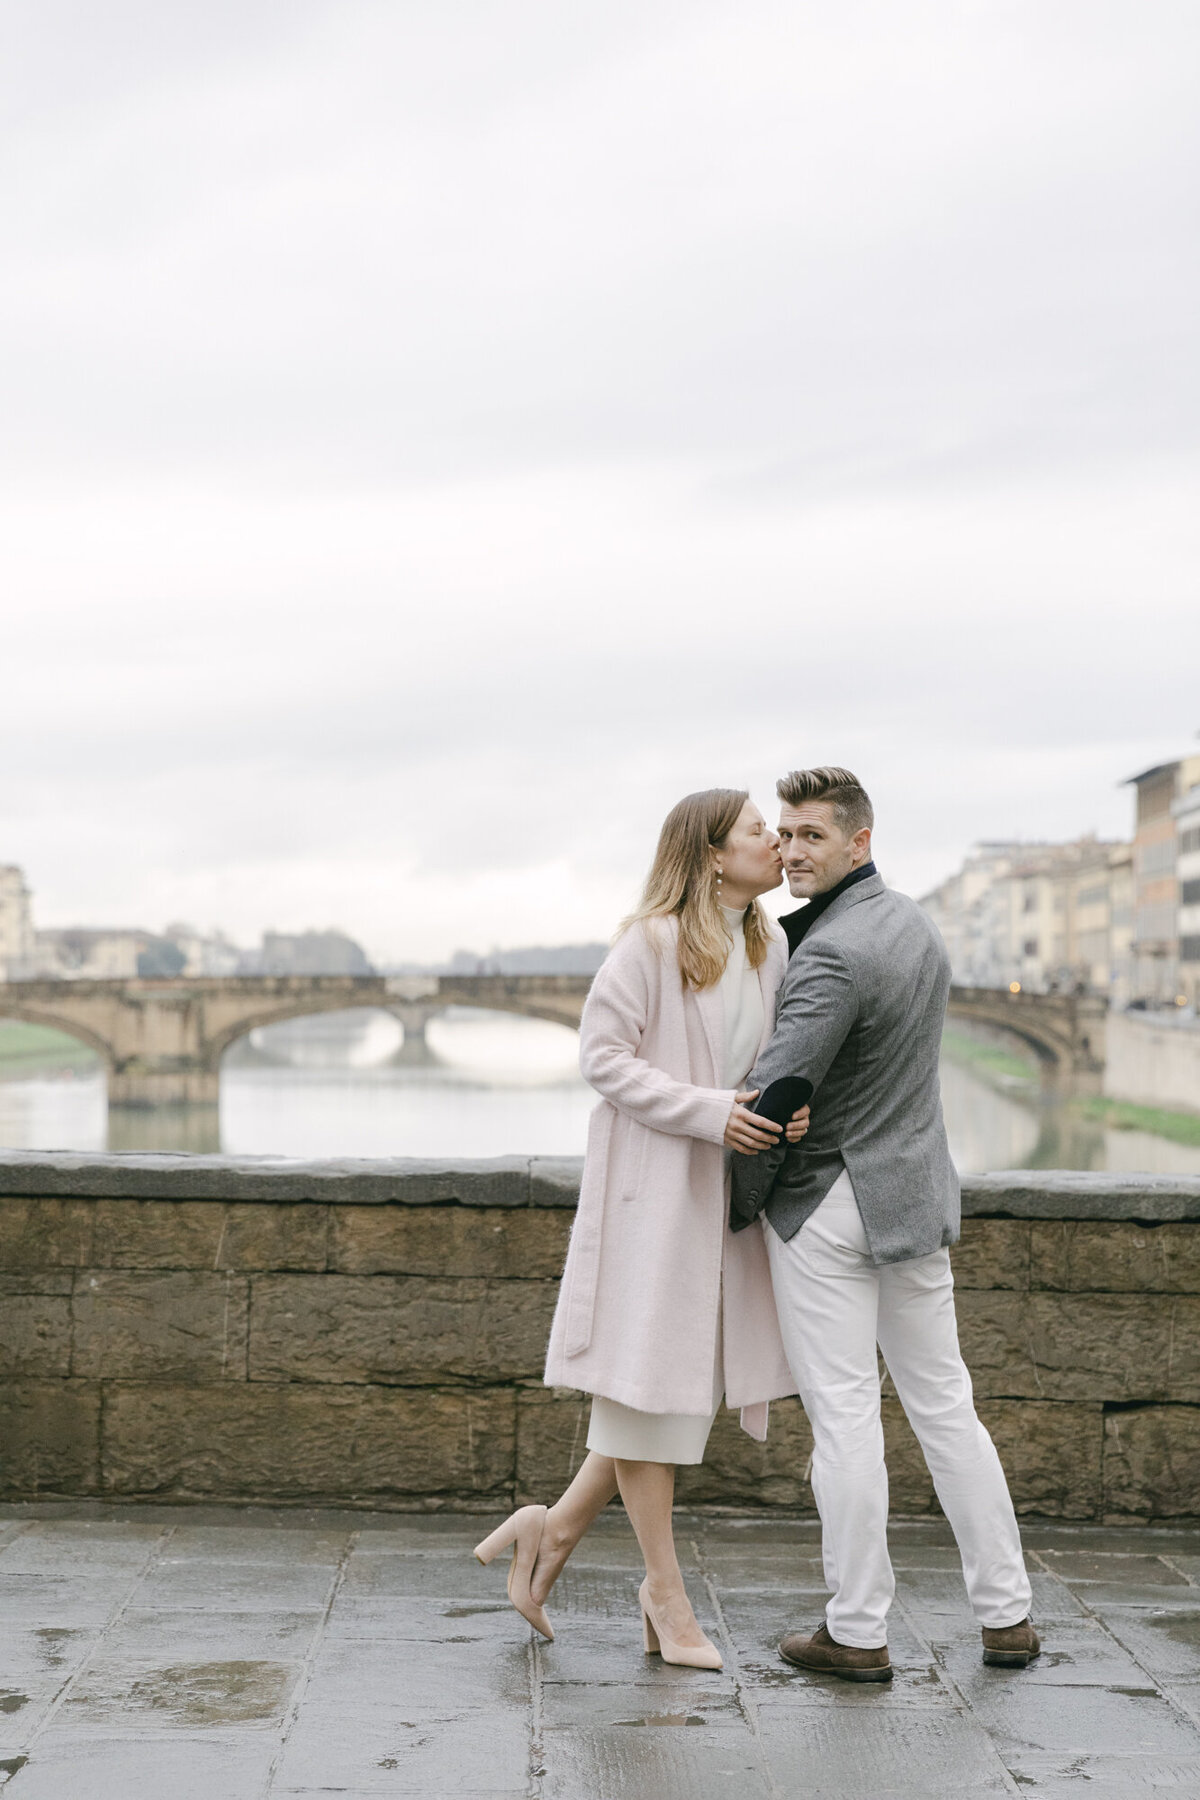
(1117, 919)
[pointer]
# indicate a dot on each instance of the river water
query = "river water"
(483, 1084)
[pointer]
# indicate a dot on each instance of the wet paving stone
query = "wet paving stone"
(135, 1768)
(1165, 1643)
(863, 1749)
(414, 1574)
(405, 1750)
(186, 1586)
(164, 1654)
(1104, 1777)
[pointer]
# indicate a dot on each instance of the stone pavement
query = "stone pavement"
(155, 1653)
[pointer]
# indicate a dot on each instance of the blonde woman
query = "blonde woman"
(663, 1310)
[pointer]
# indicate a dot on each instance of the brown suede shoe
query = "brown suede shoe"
(1012, 1647)
(821, 1653)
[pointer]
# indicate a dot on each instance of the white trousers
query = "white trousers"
(835, 1307)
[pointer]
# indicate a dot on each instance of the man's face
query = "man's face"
(816, 852)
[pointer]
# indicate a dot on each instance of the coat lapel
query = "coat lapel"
(710, 1004)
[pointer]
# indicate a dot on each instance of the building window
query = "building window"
(1189, 949)
(1031, 945)
(1190, 893)
(1189, 840)
(1030, 903)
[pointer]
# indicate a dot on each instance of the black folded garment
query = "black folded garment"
(753, 1177)
(783, 1098)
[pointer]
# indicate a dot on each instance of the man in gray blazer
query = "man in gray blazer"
(858, 1219)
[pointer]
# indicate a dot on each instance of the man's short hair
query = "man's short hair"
(838, 788)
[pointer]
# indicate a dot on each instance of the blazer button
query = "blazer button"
(754, 1193)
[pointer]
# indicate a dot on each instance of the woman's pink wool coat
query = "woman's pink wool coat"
(637, 1311)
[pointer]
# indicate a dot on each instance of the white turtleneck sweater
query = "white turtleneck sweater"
(743, 1004)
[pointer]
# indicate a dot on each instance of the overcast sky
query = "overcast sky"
(435, 437)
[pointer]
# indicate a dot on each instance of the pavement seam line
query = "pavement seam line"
(1165, 1690)
(747, 1706)
(153, 1557)
(537, 1749)
(965, 1708)
(309, 1660)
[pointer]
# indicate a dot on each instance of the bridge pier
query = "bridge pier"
(166, 1081)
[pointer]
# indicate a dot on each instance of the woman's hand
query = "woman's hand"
(748, 1132)
(797, 1126)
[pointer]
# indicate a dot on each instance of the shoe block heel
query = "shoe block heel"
(500, 1539)
(649, 1635)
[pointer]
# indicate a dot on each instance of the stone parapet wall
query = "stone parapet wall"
(373, 1333)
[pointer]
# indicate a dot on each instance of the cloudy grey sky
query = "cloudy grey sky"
(436, 436)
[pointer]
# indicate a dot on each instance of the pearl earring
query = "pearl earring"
(718, 877)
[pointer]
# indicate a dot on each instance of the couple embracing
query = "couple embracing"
(732, 1244)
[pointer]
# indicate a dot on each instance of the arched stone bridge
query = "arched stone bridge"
(1065, 1031)
(162, 1041)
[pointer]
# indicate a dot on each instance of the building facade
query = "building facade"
(16, 924)
(1187, 827)
(1157, 960)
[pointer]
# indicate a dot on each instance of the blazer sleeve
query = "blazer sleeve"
(615, 1017)
(817, 1011)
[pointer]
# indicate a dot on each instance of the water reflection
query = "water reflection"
(487, 1084)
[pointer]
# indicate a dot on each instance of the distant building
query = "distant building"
(16, 924)
(1157, 959)
(1048, 916)
(1187, 826)
(204, 954)
(538, 959)
(307, 953)
(88, 953)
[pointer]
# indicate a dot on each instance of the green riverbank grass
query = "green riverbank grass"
(961, 1047)
(1123, 1115)
(25, 1049)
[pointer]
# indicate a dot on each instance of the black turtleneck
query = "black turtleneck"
(797, 923)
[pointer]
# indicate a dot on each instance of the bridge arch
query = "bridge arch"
(220, 1041)
(13, 1008)
(1065, 1033)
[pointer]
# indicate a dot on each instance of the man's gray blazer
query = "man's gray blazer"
(860, 1016)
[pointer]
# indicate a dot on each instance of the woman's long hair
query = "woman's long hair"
(682, 884)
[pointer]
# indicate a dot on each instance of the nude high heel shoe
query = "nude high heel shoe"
(524, 1532)
(689, 1656)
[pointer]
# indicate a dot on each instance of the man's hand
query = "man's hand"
(797, 1126)
(745, 1131)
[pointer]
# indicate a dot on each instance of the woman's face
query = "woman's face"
(749, 859)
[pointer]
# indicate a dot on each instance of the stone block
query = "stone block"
(49, 1437)
(1121, 1257)
(43, 1234)
(275, 1237)
(397, 1328)
(159, 1325)
(737, 1471)
(314, 1442)
(1152, 1462)
(992, 1253)
(200, 1234)
(514, 1243)
(1098, 1347)
(554, 1180)
(156, 1234)
(35, 1322)
(551, 1439)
